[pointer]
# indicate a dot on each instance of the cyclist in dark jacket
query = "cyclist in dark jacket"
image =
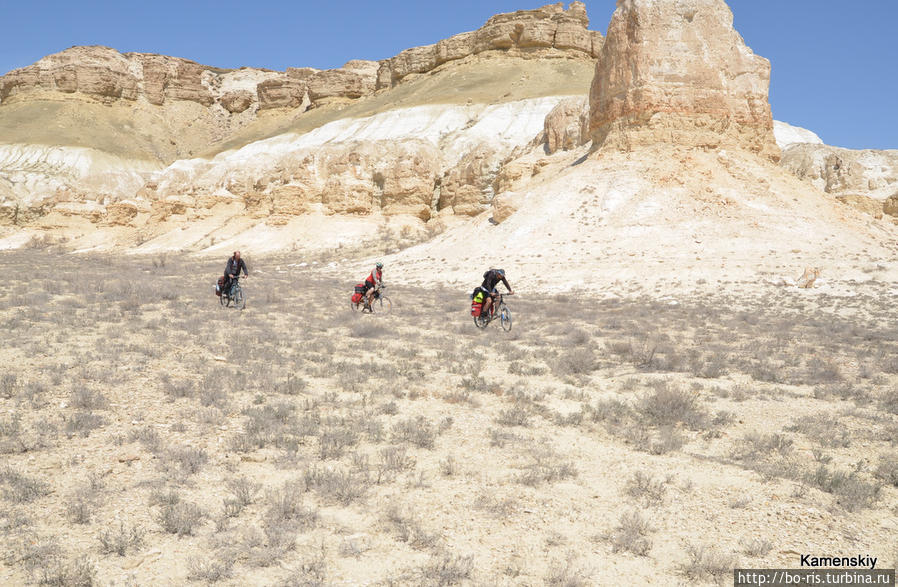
(232, 270)
(490, 280)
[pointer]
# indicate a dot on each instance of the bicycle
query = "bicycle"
(235, 295)
(380, 305)
(504, 314)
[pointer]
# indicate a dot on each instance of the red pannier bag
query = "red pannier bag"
(475, 308)
(356, 298)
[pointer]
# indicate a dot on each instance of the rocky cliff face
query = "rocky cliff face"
(536, 32)
(675, 71)
(866, 179)
(567, 125)
(417, 162)
(107, 75)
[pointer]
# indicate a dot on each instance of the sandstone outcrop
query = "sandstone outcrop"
(430, 158)
(414, 161)
(675, 71)
(281, 93)
(237, 102)
(504, 205)
(551, 27)
(105, 74)
(567, 125)
(359, 177)
(865, 204)
(466, 189)
(844, 172)
(890, 205)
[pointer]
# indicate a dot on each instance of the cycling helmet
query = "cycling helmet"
(379, 265)
(501, 272)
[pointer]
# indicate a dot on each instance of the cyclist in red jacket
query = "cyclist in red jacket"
(374, 281)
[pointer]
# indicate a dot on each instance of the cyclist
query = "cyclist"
(374, 280)
(490, 280)
(232, 271)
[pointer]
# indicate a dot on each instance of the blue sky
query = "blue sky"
(835, 64)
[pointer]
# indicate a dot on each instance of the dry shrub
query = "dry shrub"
(20, 488)
(631, 534)
(446, 569)
(705, 563)
(121, 539)
(646, 488)
(418, 431)
(668, 405)
(180, 518)
(544, 465)
(850, 491)
(575, 361)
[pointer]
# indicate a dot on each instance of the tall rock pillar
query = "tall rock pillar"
(675, 71)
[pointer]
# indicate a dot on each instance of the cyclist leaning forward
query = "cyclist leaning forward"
(374, 280)
(491, 279)
(232, 271)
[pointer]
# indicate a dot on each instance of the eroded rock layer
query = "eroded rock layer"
(107, 75)
(675, 71)
(864, 179)
(524, 32)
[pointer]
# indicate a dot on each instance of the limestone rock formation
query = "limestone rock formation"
(845, 172)
(506, 204)
(105, 74)
(281, 93)
(675, 71)
(787, 135)
(358, 177)
(98, 71)
(890, 206)
(237, 102)
(373, 157)
(466, 188)
(551, 27)
(865, 204)
(567, 125)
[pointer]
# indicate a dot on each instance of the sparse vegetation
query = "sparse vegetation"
(408, 528)
(704, 563)
(887, 469)
(646, 488)
(20, 488)
(566, 573)
(851, 491)
(446, 569)
(272, 448)
(121, 539)
(756, 547)
(544, 465)
(180, 518)
(631, 534)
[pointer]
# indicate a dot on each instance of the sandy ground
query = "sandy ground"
(149, 436)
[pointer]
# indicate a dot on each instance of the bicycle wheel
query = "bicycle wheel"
(505, 318)
(223, 299)
(383, 305)
(239, 298)
(355, 307)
